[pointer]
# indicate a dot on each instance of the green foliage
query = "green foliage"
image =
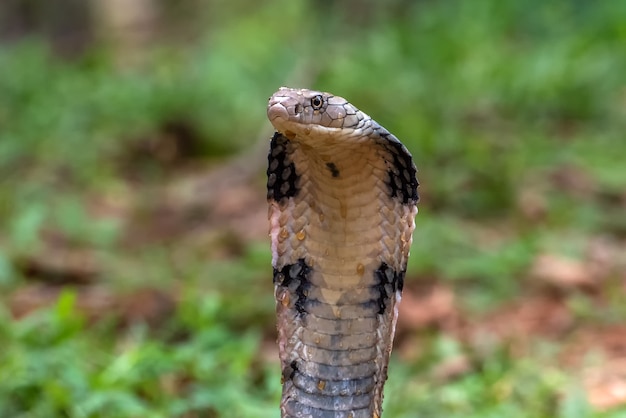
(493, 98)
(497, 385)
(462, 84)
(53, 365)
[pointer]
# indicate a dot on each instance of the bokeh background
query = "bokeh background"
(135, 268)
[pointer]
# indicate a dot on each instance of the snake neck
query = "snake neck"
(339, 264)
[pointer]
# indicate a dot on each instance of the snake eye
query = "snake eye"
(317, 102)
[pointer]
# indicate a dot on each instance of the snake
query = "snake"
(342, 196)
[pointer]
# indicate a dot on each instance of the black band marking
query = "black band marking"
(294, 277)
(282, 176)
(388, 281)
(294, 368)
(333, 169)
(401, 171)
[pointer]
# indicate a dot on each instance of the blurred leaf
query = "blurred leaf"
(7, 273)
(27, 225)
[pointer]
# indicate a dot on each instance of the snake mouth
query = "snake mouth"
(279, 116)
(285, 116)
(285, 110)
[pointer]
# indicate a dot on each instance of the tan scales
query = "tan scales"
(342, 193)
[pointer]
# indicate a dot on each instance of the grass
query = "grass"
(514, 111)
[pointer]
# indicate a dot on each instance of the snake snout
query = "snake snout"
(277, 111)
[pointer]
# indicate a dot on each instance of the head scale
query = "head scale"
(305, 112)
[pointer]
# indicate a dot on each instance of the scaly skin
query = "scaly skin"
(342, 198)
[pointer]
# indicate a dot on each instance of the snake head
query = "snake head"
(313, 114)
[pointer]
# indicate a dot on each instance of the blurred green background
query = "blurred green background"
(134, 259)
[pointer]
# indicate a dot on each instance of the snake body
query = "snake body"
(342, 195)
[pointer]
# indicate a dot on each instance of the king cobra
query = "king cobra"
(342, 195)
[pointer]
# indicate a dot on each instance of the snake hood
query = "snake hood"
(342, 195)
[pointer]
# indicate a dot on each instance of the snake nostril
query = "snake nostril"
(298, 109)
